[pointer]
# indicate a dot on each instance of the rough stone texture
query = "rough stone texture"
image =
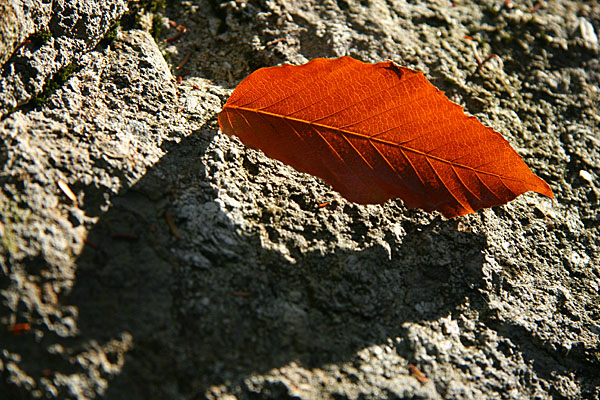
(18, 20)
(72, 27)
(192, 267)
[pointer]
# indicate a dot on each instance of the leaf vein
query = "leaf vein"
(445, 185)
(376, 93)
(464, 184)
(309, 83)
(381, 141)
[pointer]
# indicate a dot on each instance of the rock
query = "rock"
(19, 20)
(586, 176)
(190, 266)
(588, 34)
(66, 32)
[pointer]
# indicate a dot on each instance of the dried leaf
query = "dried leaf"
(375, 132)
(172, 226)
(67, 190)
(416, 372)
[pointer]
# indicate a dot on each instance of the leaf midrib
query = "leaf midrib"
(369, 138)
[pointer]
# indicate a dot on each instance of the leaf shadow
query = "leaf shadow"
(231, 308)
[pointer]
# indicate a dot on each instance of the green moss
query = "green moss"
(52, 84)
(8, 241)
(11, 215)
(168, 57)
(155, 5)
(41, 38)
(157, 27)
(131, 20)
(110, 35)
(112, 32)
(65, 72)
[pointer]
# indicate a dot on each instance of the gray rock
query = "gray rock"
(71, 29)
(588, 33)
(186, 265)
(19, 20)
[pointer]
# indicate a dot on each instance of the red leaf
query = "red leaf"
(375, 132)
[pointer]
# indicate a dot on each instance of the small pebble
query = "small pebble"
(586, 176)
(587, 33)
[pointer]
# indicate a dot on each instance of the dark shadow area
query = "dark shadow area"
(245, 310)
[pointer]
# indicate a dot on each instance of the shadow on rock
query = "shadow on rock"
(320, 310)
(232, 308)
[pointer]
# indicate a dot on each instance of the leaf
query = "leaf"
(375, 132)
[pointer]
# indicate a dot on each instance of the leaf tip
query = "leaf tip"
(543, 188)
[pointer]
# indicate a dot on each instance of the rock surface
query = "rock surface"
(65, 30)
(155, 258)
